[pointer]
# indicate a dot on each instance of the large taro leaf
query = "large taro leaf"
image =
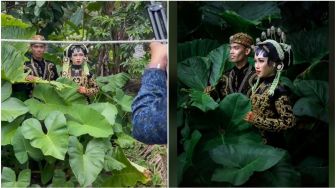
(184, 160)
(49, 100)
(255, 15)
(110, 163)
(13, 28)
(6, 90)
(12, 108)
(125, 101)
(232, 110)
(86, 165)
(314, 171)
(8, 178)
(202, 101)
(85, 120)
(55, 142)
(314, 99)
(112, 82)
(200, 47)
(70, 95)
(240, 161)
(108, 110)
(22, 148)
(219, 62)
(12, 64)
(304, 45)
(127, 176)
(194, 72)
(8, 130)
(283, 174)
(309, 106)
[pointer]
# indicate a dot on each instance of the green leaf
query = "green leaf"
(12, 108)
(86, 166)
(88, 121)
(11, 64)
(313, 88)
(195, 48)
(77, 17)
(124, 140)
(13, 32)
(309, 106)
(185, 158)
(8, 130)
(193, 72)
(282, 174)
(108, 110)
(69, 95)
(112, 82)
(110, 163)
(22, 148)
(9, 20)
(314, 99)
(202, 101)
(59, 179)
(47, 173)
(41, 110)
(304, 45)
(50, 99)
(8, 178)
(314, 171)
(55, 142)
(219, 59)
(125, 101)
(240, 161)
(6, 90)
(94, 6)
(128, 176)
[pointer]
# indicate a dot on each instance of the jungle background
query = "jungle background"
(216, 147)
(55, 138)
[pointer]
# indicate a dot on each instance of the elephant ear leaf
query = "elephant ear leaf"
(8, 178)
(55, 141)
(129, 175)
(86, 165)
(12, 108)
(240, 161)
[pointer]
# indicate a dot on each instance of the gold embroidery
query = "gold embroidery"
(272, 116)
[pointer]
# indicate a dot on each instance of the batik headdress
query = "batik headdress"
(273, 41)
(242, 38)
(67, 56)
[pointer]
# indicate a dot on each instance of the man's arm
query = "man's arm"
(150, 108)
(150, 105)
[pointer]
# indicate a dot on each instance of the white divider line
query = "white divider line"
(83, 42)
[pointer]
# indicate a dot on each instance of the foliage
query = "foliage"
(216, 147)
(55, 138)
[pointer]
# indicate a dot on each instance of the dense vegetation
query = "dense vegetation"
(216, 146)
(55, 138)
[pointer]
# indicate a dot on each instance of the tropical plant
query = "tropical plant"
(55, 138)
(216, 147)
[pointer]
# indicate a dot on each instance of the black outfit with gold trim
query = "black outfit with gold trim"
(43, 69)
(77, 75)
(272, 114)
(236, 81)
